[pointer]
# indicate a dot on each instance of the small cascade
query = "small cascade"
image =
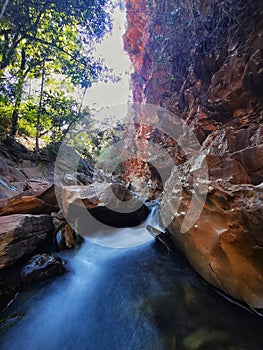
(135, 298)
(129, 236)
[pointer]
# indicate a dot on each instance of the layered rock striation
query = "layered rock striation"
(203, 61)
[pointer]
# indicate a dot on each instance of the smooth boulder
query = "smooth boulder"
(225, 243)
(107, 203)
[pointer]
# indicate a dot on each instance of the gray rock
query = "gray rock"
(41, 267)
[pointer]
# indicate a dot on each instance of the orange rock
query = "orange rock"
(30, 202)
(69, 237)
(225, 245)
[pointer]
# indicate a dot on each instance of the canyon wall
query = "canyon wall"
(203, 61)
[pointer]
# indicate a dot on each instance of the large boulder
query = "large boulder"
(109, 203)
(225, 242)
(20, 235)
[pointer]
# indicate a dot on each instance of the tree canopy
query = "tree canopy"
(38, 41)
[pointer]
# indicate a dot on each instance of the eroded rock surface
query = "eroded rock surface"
(225, 243)
(20, 235)
(212, 80)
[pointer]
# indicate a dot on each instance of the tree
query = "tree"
(19, 91)
(23, 18)
(41, 38)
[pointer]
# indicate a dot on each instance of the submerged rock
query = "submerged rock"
(41, 267)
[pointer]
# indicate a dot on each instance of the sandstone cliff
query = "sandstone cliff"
(203, 61)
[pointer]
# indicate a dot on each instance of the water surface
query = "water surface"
(127, 299)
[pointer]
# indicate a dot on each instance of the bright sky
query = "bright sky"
(105, 96)
(111, 50)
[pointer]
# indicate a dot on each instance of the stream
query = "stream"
(131, 298)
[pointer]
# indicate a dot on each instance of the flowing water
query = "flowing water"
(130, 299)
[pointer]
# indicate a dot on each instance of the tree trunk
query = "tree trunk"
(40, 107)
(82, 100)
(78, 114)
(19, 92)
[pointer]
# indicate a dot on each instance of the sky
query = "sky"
(111, 49)
(107, 96)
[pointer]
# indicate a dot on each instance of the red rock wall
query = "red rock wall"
(213, 82)
(203, 61)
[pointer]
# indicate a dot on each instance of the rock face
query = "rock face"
(41, 267)
(225, 243)
(20, 235)
(196, 68)
(109, 203)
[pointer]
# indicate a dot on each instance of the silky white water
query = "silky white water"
(119, 299)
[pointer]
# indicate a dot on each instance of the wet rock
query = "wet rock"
(41, 267)
(205, 337)
(64, 237)
(20, 235)
(67, 238)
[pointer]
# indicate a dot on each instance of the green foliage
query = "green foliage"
(28, 118)
(41, 40)
(5, 118)
(58, 112)
(31, 21)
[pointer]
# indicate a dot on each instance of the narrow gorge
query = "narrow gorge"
(133, 224)
(203, 62)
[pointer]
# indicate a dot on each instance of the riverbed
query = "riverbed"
(134, 298)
